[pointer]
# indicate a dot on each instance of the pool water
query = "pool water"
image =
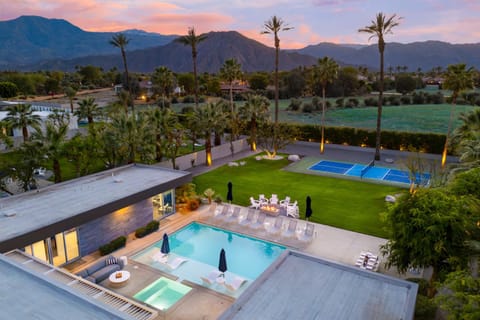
(163, 293)
(366, 172)
(200, 244)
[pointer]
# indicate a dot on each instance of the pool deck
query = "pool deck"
(329, 243)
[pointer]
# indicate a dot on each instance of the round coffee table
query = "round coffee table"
(119, 278)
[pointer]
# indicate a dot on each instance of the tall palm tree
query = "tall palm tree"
(163, 80)
(206, 117)
(324, 73)
(380, 27)
(255, 110)
(457, 79)
(70, 93)
(161, 121)
(21, 116)
(52, 141)
(192, 40)
(274, 26)
(231, 71)
(121, 41)
(87, 108)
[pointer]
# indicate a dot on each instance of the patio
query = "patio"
(328, 243)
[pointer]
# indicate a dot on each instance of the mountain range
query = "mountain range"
(31, 43)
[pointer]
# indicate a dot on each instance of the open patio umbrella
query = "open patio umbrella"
(222, 263)
(230, 193)
(165, 249)
(308, 211)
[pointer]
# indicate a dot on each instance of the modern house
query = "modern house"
(63, 222)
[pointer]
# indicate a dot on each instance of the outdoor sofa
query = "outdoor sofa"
(102, 269)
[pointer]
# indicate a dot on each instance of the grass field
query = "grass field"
(427, 118)
(346, 204)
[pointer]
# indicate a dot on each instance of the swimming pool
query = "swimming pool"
(247, 257)
(370, 172)
(163, 293)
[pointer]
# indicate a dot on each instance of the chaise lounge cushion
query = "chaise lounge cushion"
(101, 270)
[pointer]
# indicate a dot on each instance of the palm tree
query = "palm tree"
(255, 110)
(457, 79)
(87, 108)
(70, 93)
(380, 27)
(324, 73)
(120, 40)
(205, 118)
(21, 116)
(52, 141)
(161, 121)
(192, 40)
(231, 71)
(163, 79)
(274, 26)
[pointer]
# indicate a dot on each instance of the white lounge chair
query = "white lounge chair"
(255, 204)
(160, 257)
(308, 233)
(224, 213)
(234, 216)
(211, 278)
(277, 226)
(249, 219)
(175, 263)
(236, 283)
(291, 230)
(260, 221)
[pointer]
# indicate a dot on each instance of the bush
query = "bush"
(295, 105)
(339, 103)
(113, 245)
(406, 100)
(371, 102)
(418, 98)
(317, 104)
(152, 226)
(352, 103)
(307, 107)
(188, 99)
(193, 204)
(163, 102)
(425, 308)
(393, 101)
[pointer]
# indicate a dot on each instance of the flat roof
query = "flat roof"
(299, 286)
(27, 296)
(32, 216)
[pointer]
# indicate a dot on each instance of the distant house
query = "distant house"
(238, 86)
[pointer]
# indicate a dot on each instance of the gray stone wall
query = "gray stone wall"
(119, 223)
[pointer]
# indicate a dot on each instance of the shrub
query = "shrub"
(218, 199)
(418, 98)
(371, 102)
(406, 100)
(295, 104)
(193, 204)
(352, 103)
(163, 102)
(317, 104)
(307, 107)
(152, 226)
(174, 99)
(393, 101)
(113, 245)
(425, 308)
(339, 103)
(188, 99)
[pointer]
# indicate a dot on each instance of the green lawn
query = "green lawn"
(346, 204)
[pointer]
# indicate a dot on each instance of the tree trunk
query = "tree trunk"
(450, 121)
(431, 291)
(158, 149)
(56, 170)
(124, 57)
(322, 142)
(195, 83)
(25, 133)
(379, 111)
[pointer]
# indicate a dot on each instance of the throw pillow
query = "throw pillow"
(110, 261)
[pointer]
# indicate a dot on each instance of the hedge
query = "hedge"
(393, 140)
(152, 226)
(113, 245)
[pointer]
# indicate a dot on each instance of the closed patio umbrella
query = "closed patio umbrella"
(222, 263)
(230, 193)
(308, 211)
(165, 249)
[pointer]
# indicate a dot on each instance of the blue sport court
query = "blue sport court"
(369, 172)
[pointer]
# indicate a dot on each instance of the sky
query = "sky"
(313, 21)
